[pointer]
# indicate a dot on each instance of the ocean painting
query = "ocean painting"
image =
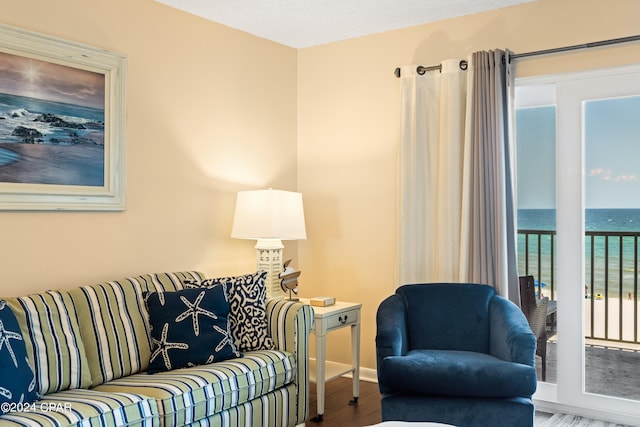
(52, 123)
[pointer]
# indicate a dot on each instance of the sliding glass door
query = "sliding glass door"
(611, 139)
(578, 143)
(536, 178)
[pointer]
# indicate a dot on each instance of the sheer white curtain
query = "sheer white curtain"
(431, 173)
(456, 191)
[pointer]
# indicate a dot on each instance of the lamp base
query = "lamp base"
(269, 259)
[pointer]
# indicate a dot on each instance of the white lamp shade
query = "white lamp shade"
(269, 214)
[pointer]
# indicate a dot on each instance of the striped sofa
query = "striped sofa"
(89, 348)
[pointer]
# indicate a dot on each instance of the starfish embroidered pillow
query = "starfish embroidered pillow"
(248, 317)
(17, 381)
(189, 327)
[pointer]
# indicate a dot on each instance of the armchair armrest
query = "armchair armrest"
(290, 325)
(391, 325)
(510, 337)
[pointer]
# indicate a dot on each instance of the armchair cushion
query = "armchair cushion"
(448, 316)
(457, 373)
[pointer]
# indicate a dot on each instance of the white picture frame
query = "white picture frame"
(55, 152)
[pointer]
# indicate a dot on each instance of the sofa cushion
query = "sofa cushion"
(247, 296)
(457, 373)
(80, 408)
(187, 395)
(17, 382)
(114, 325)
(52, 338)
(189, 328)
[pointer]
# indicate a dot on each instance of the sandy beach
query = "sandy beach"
(80, 164)
(613, 312)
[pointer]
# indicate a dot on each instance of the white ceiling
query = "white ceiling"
(305, 23)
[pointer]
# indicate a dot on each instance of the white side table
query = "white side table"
(327, 319)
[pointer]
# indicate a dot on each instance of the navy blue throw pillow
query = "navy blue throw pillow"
(17, 382)
(189, 328)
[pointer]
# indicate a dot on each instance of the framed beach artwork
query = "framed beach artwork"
(62, 114)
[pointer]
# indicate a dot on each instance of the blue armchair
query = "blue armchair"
(455, 353)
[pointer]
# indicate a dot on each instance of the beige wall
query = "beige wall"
(210, 111)
(348, 132)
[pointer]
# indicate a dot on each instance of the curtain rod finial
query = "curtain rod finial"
(396, 72)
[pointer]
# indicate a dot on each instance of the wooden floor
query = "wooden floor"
(338, 412)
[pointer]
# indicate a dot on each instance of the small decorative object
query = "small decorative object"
(322, 301)
(289, 280)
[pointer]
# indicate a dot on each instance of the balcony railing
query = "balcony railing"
(611, 278)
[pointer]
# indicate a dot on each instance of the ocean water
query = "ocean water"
(621, 248)
(22, 111)
(75, 130)
(595, 219)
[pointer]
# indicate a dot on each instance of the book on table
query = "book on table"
(322, 301)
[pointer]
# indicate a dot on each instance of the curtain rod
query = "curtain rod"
(463, 64)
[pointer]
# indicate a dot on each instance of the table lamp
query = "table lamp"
(269, 216)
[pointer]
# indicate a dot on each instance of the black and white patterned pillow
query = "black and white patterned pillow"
(17, 381)
(189, 328)
(248, 316)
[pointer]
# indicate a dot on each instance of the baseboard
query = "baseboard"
(366, 374)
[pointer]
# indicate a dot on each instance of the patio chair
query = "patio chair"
(536, 312)
(455, 353)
